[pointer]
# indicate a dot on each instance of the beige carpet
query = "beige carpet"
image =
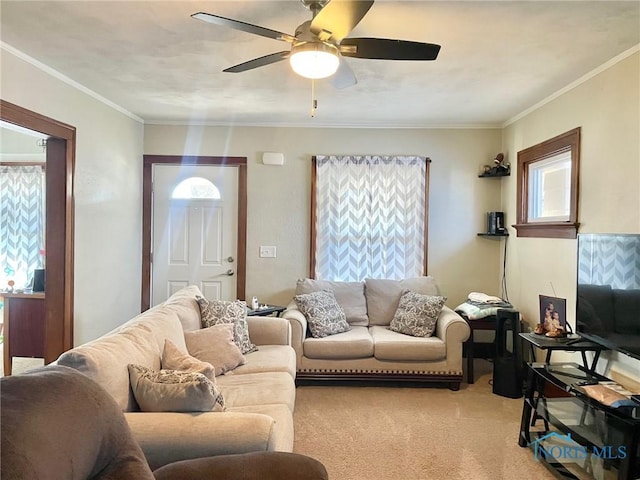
(380, 433)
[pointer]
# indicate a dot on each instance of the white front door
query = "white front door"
(195, 215)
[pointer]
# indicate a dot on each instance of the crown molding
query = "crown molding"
(63, 78)
(586, 77)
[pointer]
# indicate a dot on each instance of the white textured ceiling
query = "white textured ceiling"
(497, 58)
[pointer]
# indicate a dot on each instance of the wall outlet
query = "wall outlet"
(267, 251)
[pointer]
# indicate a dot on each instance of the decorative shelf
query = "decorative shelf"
(502, 173)
(505, 234)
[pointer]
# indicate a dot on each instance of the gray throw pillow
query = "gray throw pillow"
(174, 391)
(417, 314)
(349, 295)
(216, 312)
(323, 313)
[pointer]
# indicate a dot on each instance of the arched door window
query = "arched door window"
(195, 188)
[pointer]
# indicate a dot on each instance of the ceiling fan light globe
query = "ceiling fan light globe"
(314, 60)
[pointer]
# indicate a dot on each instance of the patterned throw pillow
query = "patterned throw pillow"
(417, 314)
(216, 312)
(323, 313)
(174, 391)
(173, 359)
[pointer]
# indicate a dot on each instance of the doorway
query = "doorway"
(197, 226)
(194, 216)
(60, 158)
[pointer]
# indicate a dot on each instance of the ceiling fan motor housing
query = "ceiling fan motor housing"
(314, 5)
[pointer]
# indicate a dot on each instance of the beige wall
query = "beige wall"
(108, 180)
(108, 175)
(607, 107)
(279, 197)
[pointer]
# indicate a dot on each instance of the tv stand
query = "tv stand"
(577, 344)
(580, 438)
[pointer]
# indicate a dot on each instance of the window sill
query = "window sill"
(547, 230)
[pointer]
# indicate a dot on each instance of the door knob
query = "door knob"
(230, 272)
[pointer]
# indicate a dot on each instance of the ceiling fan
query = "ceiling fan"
(318, 45)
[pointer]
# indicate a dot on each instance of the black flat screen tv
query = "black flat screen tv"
(608, 291)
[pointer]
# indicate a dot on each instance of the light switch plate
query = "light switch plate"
(267, 251)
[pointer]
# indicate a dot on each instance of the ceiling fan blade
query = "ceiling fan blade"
(258, 62)
(344, 76)
(338, 18)
(243, 26)
(388, 49)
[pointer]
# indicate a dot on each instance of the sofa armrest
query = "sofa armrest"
(451, 327)
(167, 437)
(298, 328)
(269, 331)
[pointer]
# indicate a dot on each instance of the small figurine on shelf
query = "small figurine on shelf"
(10, 285)
(500, 166)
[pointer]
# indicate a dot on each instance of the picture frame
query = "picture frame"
(553, 312)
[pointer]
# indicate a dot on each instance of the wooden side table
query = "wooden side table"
(487, 323)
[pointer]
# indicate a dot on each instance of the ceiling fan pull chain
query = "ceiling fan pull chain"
(314, 102)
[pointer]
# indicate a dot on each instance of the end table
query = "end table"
(266, 310)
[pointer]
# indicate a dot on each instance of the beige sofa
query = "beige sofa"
(259, 395)
(369, 350)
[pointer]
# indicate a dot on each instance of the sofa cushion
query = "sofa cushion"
(323, 313)
(258, 389)
(383, 296)
(105, 360)
(163, 323)
(215, 345)
(356, 343)
(174, 391)
(215, 312)
(392, 346)
(174, 359)
(270, 358)
(349, 295)
(417, 314)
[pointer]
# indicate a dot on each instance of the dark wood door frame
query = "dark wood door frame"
(61, 147)
(147, 197)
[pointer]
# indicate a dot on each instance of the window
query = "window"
(548, 188)
(369, 217)
(195, 188)
(22, 215)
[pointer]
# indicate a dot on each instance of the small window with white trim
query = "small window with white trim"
(195, 188)
(550, 189)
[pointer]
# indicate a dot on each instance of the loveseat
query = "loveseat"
(259, 395)
(369, 350)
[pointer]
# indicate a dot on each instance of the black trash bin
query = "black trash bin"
(507, 365)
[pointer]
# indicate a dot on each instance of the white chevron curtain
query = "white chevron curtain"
(370, 214)
(22, 214)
